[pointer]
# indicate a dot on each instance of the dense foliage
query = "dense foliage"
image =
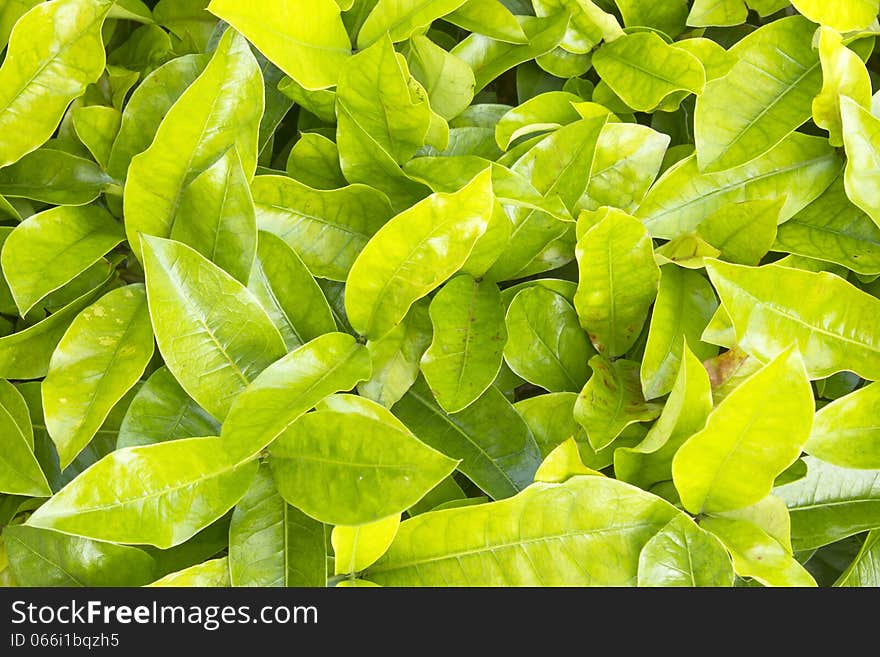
(439, 292)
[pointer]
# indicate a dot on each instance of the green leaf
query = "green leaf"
(20, 473)
(750, 438)
(684, 414)
(311, 51)
(546, 345)
(766, 96)
(42, 558)
(400, 19)
(551, 420)
(350, 469)
(100, 357)
(147, 495)
(55, 51)
(864, 571)
(488, 17)
(682, 554)
(588, 531)
(49, 249)
(860, 131)
(627, 160)
(216, 216)
(54, 176)
(618, 282)
(383, 119)
(148, 105)
(272, 543)
(321, 102)
(770, 514)
(800, 168)
(397, 357)
(415, 252)
(214, 573)
(688, 251)
(327, 229)
(193, 135)
(643, 69)
(148, 47)
(448, 80)
(831, 228)
(831, 503)
(742, 232)
(846, 432)
(563, 463)
(769, 311)
(197, 308)
(469, 335)
(288, 293)
(722, 13)
(543, 112)
(97, 127)
(844, 74)
(358, 548)
(314, 161)
(685, 304)
(716, 61)
(611, 401)
(756, 554)
(497, 450)
(554, 166)
(161, 411)
(489, 58)
(842, 16)
(25, 354)
(668, 17)
(10, 12)
(587, 26)
(102, 444)
(291, 386)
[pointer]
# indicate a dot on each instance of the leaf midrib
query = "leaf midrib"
(424, 402)
(787, 89)
(718, 191)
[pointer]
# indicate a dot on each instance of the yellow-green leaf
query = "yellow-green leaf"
(415, 252)
(469, 335)
(147, 495)
(643, 69)
(749, 439)
(50, 248)
(611, 401)
(844, 16)
(55, 51)
(846, 432)
(197, 308)
(218, 111)
(100, 357)
(357, 548)
(766, 96)
(756, 554)
(769, 311)
(682, 554)
(291, 386)
(588, 531)
(844, 74)
(305, 38)
(618, 282)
